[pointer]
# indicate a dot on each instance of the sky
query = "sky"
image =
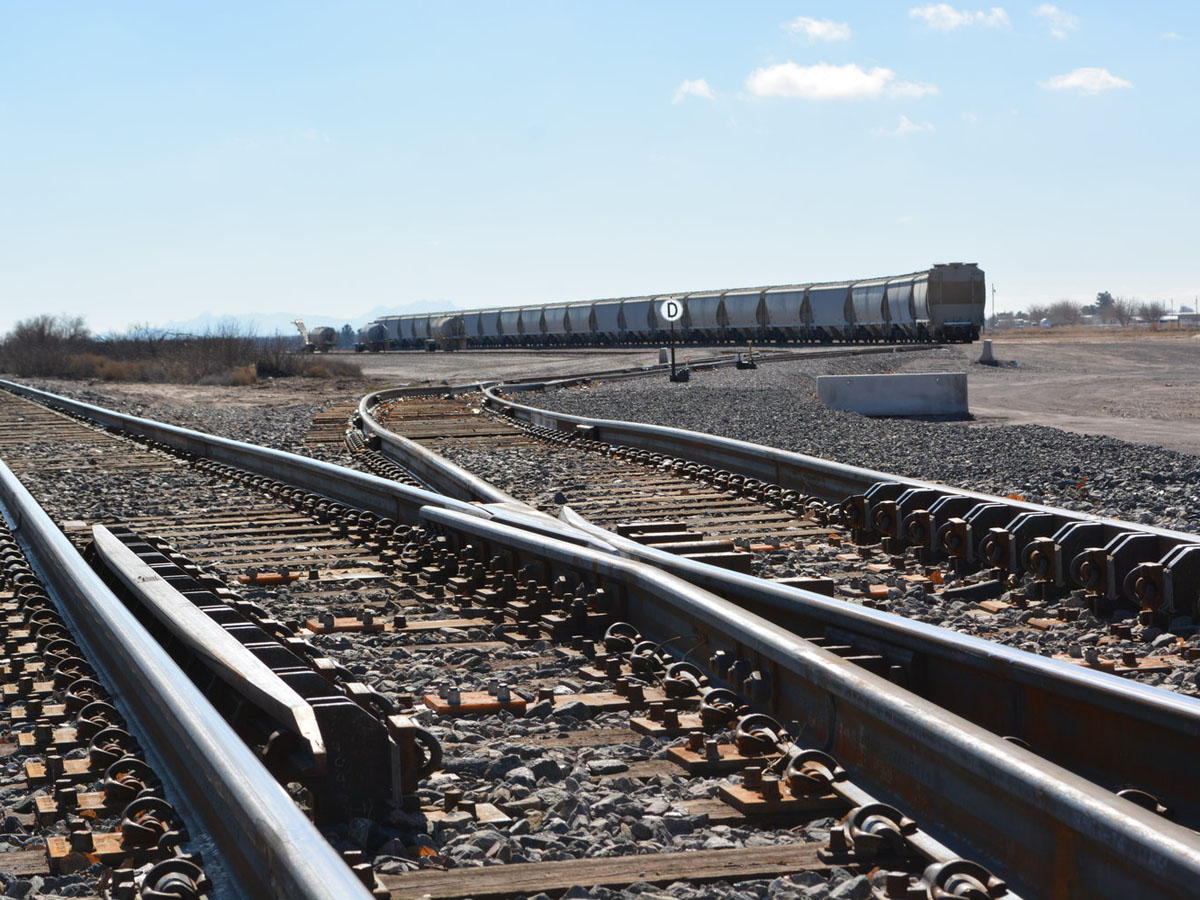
(163, 160)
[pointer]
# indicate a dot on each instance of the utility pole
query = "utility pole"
(993, 301)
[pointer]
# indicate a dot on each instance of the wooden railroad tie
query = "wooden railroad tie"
(527, 879)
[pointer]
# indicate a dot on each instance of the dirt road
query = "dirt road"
(1142, 390)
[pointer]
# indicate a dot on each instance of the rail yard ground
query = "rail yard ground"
(1140, 388)
(1124, 415)
(1002, 451)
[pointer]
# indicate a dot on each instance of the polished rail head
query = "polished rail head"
(269, 848)
(1047, 830)
(237, 666)
(380, 495)
(819, 476)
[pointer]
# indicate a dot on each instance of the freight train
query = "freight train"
(942, 303)
(373, 337)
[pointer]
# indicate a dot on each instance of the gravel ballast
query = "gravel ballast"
(776, 405)
(574, 802)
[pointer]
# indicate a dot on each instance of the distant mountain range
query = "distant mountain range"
(264, 324)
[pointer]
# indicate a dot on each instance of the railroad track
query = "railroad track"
(121, 780)
(594, 649)
(714, 523)
(84, 791)
(687, 506)
(1055, 708)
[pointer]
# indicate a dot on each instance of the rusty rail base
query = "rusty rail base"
(1049, 832)
(1108, 729)
(265, 844)
(1093, 723)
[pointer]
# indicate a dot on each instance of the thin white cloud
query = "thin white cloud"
(1059, 20)
(1089, 80)
(818, 29)
(694, 87)
(906, 126)
(313, 136)
(823, 81)
(911, 89)
(1171, 36)
(944, 17)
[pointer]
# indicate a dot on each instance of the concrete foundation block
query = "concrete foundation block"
(932, 394)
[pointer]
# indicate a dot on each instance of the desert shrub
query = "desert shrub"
(81, 365)
(118, 370)
(244, 375)
(343, 369)
(62, 347)
(307, 366)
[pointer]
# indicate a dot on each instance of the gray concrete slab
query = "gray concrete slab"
(917, 394)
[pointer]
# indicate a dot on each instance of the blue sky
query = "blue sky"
(162, 160)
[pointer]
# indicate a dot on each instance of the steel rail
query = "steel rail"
(811, 474)
(1094, 723)
(360, 489)
(1050, 832)
(267, 847)
(541, 383)
(228, 657)
(1101, 726)
(432, 469)
(705, 364)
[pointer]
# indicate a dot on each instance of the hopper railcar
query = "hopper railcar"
(373, 337)
(942, 303)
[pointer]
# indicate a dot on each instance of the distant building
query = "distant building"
(1180, 320)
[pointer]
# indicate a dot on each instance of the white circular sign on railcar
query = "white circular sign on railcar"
(670, 310)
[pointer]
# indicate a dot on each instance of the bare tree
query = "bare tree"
(39, 345)
(45, 329)
(1152, 311)
(1037, 313)
(1064, 312)
(140, 341)
(1121, 310)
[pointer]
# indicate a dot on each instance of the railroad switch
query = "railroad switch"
(357, 743)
